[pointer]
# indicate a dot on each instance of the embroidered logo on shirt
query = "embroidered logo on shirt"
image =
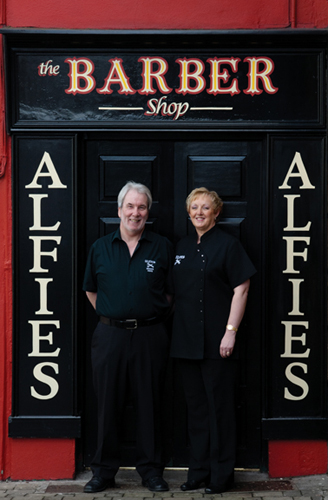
(150, 265)
(178, 259)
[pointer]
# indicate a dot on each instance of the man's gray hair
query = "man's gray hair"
(140, 188)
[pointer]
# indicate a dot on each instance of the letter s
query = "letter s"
(297, 381)
(46, 379)
(152, 106)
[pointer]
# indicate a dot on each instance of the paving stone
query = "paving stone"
(239, 494)
(33, 496)
(186, 495)
(312, 493)
(51, 496)
(141, 494)
(269, 494)
(20, 497)
(291, 496)
(22, 492)
(114, 494)
(236, 496)
(77, 496)
(294, 493)
(6, 485)
(132, 497)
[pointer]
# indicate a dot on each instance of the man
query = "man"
(128, 282)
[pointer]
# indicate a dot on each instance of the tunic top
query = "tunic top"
(205, 275)
(130, 287)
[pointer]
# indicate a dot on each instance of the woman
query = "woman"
(211, 274)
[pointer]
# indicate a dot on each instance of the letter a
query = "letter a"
(52, 173)
(297, 160)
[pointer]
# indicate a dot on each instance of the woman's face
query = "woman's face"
(202, 214)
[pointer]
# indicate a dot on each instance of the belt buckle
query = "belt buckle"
(134, 326)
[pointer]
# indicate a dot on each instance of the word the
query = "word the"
(48, 69)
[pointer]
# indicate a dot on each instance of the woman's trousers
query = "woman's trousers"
(210, 386)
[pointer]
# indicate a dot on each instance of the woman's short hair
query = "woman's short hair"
(140, 188)
(202, 191)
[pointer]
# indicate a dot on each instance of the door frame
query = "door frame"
(179, 137)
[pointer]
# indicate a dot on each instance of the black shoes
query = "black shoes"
(191, 484)
(98, 483)
(155, 483)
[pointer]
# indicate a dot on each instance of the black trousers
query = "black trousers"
(135, 360)
(209, 387)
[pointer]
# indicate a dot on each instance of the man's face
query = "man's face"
(134, 212)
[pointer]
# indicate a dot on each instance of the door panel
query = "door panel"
(233, 169)
(171, 168)
(109, 165)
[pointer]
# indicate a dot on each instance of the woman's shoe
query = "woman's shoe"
(191, 484)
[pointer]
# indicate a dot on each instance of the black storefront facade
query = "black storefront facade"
(242, 113)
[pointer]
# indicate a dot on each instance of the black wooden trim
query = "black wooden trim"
(75, 127)
(45, 427)
(294, 428)
(87, 32)
(39, 38)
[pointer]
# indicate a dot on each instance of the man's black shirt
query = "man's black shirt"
(130, 287)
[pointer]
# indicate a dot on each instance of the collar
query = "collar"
(208, 233)
(146, 235)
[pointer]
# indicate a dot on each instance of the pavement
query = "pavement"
(248, 485)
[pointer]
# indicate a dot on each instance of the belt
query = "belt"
(130, 324)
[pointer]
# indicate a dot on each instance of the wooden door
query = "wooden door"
(232, 169)
(171, 166)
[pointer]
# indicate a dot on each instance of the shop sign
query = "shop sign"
(297, 288)
(65, 88)
(44, 286)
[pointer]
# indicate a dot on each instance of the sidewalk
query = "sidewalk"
(247, 485)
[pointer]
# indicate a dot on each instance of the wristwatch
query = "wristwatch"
(230, 327)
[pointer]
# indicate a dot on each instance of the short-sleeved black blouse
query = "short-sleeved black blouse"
(205, 275)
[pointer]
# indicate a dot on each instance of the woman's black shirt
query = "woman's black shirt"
(205, 275)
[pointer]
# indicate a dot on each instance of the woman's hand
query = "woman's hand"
(237, 310)
(227, 344)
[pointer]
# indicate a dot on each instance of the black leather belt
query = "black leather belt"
(130, 324)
